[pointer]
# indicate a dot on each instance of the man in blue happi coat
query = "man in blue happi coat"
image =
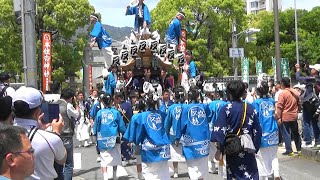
(173, 34)
(100, 36)
(142, 15)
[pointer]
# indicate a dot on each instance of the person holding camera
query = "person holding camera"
(310, 102)
(48, 146)
(70, 113)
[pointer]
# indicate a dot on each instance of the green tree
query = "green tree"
(211, 39)
(63, 18)
(10, 39)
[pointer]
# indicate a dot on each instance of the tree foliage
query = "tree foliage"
(211, 37)
(63, 18)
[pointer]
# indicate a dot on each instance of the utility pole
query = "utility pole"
(277, 39)
(234, 45)
(29, 43)
(85, 66)
(296, 29)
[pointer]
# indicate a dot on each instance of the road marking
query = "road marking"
(77, 161)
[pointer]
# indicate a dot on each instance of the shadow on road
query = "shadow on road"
(81, 172)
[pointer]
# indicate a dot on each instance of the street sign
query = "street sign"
(236, 52)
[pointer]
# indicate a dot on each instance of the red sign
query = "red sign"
(46, 61)
(183, 44)
(90, 77)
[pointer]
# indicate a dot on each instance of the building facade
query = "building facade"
(254, 6)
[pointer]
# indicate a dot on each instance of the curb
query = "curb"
(311, 153)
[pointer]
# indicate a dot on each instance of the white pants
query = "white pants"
(111, 157)
(267, 161)
(198, 168)
(156, 171)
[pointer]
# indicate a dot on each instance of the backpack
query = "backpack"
(232, 145)
(311, 104)
(4, 89)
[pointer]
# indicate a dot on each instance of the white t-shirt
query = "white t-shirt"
(9, 91)
(48, 147)
(140, 11)
(276, 96)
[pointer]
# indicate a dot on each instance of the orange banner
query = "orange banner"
(46, 61)
(183, 45)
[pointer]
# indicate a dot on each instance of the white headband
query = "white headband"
(179, 13)
(94, 16)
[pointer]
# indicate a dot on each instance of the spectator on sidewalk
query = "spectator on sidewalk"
(287, 115)
(6, 110)
(5, 89)
(16, 153)
(309, 104)
(70, 113)
(48, 146)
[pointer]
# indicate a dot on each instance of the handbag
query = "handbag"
(232, 145)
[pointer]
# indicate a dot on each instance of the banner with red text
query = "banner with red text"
(183, 44)
(46, 61)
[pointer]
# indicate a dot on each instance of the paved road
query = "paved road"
(291, 168)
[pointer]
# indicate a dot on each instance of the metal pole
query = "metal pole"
(85, 66)
(296, 29)
(234, 45)
(30, 62)
(23, 42)
(277, 39)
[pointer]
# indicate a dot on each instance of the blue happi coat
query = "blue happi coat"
(107, 126)
(150, 133)
(102, 37)
(135, 11)
(243, 166)
(193, 131)
(172, 119)
(265, 111)
(214, 109)
(130, 134)
(173, 32)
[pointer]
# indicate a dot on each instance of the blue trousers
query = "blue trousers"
(288, 128)
(68, 166)
(310, 128)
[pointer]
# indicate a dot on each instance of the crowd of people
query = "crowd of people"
(238, 131)
(175, 127)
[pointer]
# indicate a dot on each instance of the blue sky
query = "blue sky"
(113, 11)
